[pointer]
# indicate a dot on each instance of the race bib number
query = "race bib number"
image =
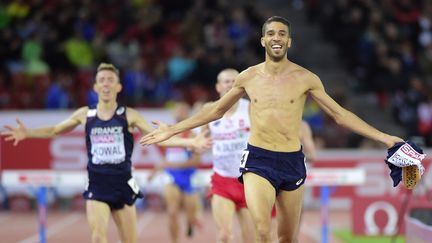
(244, 158)
(133, 185)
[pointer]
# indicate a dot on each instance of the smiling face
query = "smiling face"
(107, 85)
(276, 40)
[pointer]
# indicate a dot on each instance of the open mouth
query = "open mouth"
(105, 92)
(276, 47)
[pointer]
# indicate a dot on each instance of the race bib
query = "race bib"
(133, 185)
(107, 145)
(244, 158)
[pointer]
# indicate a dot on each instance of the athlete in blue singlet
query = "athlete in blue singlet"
(108, 127)
(180, 164)
(109, 148)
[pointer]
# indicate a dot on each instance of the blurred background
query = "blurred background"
(373, 56)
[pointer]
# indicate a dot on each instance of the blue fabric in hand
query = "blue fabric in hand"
(396, 171)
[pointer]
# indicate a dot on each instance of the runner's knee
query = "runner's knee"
(129, 238)
(287, 239)
(287, 236)
(225, 235)
(98, 236)
(263, 232)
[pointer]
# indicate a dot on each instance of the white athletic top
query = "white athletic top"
(230, 136)
(178, 154)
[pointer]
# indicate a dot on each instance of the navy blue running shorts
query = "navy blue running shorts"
(114, 190)
(284, 170)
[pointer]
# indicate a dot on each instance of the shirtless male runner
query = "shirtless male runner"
(272, 166)
(108, 126)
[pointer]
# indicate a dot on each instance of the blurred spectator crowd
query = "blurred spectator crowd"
(387, 46)
(170, 50)
(164, 49)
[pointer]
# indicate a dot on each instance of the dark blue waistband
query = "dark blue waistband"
(124, 176)
(273, 153)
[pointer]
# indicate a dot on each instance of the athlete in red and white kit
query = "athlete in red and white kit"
(229, 135)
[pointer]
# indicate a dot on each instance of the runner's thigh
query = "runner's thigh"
(126, 221)
(288, 208)
(260, 197)
(223, 211)
(98, 214)
(173, 197)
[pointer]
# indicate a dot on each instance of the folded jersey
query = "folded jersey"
(404, 154)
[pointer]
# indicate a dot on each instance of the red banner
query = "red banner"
(65, 152)
(68, 152)
(385, 215)
(377, 205)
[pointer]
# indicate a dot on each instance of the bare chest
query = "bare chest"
(276, 93)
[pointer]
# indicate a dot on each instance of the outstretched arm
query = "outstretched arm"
(209, 112)
(199, 142)
(20, 132)
(346, 118)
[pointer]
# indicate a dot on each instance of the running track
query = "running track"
(71, 227)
